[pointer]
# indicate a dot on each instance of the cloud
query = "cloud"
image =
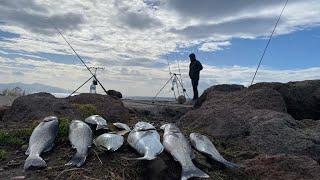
(131, 37)
(214, 46)
(36, 17)
(138, 20)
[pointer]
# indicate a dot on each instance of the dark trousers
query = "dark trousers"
(194, 83)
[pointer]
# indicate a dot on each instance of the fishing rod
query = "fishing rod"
(58, 30)
(267, 45)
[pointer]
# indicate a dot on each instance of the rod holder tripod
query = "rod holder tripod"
(176, 81)
(94, 81)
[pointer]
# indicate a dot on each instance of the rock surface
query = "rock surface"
(114, 93)
(282, 167)
(3, 109)
(302, 98)
(38, 106)
(255, 121)
(108, 107)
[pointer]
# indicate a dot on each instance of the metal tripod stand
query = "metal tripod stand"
(94, 81)
(177, 87)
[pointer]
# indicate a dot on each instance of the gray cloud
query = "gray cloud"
(139, 20)
(136, 19)
(241, 27)
(33, 16)
(218, 8)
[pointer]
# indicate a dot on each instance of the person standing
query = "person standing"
(194, 74)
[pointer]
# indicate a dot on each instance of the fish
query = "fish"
(108, 142)
(98, 120)
(122, 126)
(126, 128)
(204, 145)
(145, 139)
(80, 136)
(177, 145)
(41, 140)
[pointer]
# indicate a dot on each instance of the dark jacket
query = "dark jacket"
(194, 69)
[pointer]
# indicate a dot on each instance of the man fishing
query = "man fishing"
(194, 73)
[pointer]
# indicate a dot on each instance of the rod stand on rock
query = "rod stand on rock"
(177, 87)
(94, 81)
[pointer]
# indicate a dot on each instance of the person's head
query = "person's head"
(192, 57)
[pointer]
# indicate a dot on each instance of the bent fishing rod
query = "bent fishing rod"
(82, 61)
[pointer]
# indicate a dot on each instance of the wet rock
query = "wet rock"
(301, 98)
(108, 107)
(114, 93)
(37, 106)
(282, 167)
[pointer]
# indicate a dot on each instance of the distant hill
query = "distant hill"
(35, 87)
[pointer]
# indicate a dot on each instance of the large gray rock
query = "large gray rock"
(302, 98)
(221, 88)
(282, 167)
(114, 93)
(109, 107)
(253, 120)
(37, 106)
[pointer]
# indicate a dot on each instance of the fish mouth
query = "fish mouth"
(50, 118)
(164, 126)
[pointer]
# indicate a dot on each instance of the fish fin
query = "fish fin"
(140, 158)
(230, 165)
(27, 151)
(192, 155)
(34, 161)
(193, 172)
(99, 126)
(77, 160)
(123, 132)
(48, 148)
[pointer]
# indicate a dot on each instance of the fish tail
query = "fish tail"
(77, 160)
(140, 158)
(192, 172)
(231, 165)
(34, 161)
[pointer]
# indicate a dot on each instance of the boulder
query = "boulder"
(302, 98)
(253, 120)
(37, 106)
(109, 107)
(282, 167)
(3, 109)
(221, 88)
(114, 93)
(181, 99)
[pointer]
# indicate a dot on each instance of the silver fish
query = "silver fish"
(203, 144)
(177, 145)
(41, 140)
(80, 136)
(108, 142)
(98, 120)
(122, 126)
(146, 140)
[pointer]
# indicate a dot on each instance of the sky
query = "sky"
(135, 39)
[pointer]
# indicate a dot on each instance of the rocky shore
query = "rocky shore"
(271, 129)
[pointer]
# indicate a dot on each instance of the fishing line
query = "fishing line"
(267, 45)
(58, 30)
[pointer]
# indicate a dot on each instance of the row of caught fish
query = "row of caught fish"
(144, 138)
